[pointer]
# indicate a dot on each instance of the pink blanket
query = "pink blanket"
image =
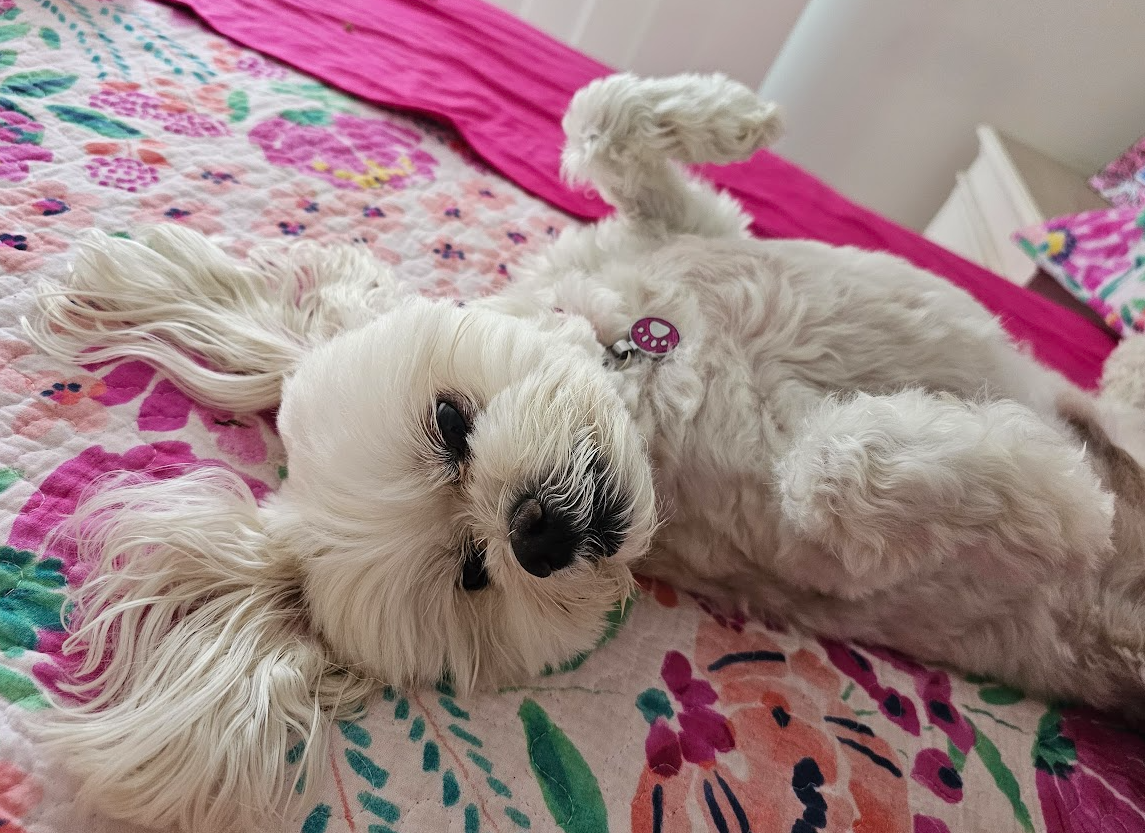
(504, 85)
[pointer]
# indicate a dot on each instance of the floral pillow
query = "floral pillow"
(1099, 256)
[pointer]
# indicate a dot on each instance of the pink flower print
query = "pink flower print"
(48, 203)
(442, 205)
(24, 250)
(192, 213)
(194, 125)
(167, 409)
(330, 217)
(933, 688)
(486, 193)
(546, 227)
(125, 382)
(929, 824)
(14, 160)
(454, 255)
(351, 152)
(935, 771)
(58, 399)
(213, 97)
(123, 98)
(1089, 773)
(899, 709)
(19, 792)
(443, 288)
(20, 137)
(258, 67)
(60, 493)
(230, 59)
(123, 173)
(6, 5)
(10, 350)
(218, 177)
(703, 732)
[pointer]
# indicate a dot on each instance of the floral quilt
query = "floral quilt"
(117, 114)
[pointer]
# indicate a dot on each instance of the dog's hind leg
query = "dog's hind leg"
(226, 332)
(625, 136)
(879, 489)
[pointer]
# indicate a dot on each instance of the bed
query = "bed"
(443, 163)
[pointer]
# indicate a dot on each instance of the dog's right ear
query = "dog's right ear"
(198, 677)
(225, 332)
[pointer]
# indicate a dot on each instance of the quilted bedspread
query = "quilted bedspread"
(114, 115)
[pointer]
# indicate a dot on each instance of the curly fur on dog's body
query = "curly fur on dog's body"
(840, 439)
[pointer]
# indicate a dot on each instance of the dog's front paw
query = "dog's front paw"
(691, 118)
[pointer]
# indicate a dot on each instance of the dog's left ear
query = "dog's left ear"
(226, 332)
(199, 679)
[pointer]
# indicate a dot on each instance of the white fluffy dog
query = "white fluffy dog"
(829, 435)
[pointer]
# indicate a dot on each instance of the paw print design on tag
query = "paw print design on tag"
(654, 336)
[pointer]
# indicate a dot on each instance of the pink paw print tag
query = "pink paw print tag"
(651, 336)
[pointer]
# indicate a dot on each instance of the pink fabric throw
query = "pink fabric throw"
(504, 85)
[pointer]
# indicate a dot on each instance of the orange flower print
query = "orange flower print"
(661, 591)
(19, 794)
(56, 398)
(741, 710)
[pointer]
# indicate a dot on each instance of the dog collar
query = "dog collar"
(654, 337)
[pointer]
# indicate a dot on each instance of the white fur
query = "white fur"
(840, 439)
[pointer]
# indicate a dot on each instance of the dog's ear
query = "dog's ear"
(197, 676)
(226, 332)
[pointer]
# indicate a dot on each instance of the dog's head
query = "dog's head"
(466, 491)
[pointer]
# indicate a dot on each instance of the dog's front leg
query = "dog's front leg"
(879, 489)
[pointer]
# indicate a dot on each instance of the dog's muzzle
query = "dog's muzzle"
(546, 538)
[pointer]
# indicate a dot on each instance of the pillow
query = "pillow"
(1099, 256)
(1123, 180)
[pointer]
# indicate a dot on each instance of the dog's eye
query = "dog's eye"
(473, 575)
(454, 430)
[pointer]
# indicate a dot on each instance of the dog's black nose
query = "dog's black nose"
(542, 539)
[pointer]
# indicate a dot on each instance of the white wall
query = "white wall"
(883, 95)
(658, 37)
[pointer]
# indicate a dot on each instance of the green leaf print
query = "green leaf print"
(8, 57)
(8, 477)
(28, 597)
(1053, 752)
(318, 819)
(1003, 778)
(39, 83)
(373, 774)
(316, 92)
(16, 30)
(50, 38)
(94, 121)
(18, 689)
(239, 105)
(570, 790)
(307, 117)
(1000, 695)
(19, 130)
